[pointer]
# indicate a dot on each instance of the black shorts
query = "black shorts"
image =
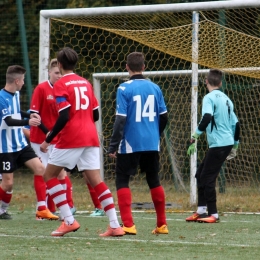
(13, 161)
(128, 163)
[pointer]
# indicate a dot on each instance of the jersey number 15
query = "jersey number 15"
(80, 93)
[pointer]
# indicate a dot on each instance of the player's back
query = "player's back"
(219, 132)
(80, 130)
(142, 102)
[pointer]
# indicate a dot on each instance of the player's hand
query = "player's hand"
(35, 115)
(44, 147)
(233, 153)
(192, 148)
(34, 122)
(112, 155)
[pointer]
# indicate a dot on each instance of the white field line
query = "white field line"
(131, 240)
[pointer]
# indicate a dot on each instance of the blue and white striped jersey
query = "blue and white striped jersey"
(141, 102)
(12, 137)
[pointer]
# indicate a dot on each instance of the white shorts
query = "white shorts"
(44, 157)
(86, 158)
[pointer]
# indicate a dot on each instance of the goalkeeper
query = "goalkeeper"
(222, 129)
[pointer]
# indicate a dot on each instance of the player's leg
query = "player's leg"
(149, 163)
(214, 160)
(44, 159)
(32, 161)
(6, 191)
(67, 186)
(126, 165)
(202, 202)
(89, 163)
(9, 163)
(98, 208)
(59, 159)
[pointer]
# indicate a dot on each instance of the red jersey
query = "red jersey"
(43, 103)
(76, 93)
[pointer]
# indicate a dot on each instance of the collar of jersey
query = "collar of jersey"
(137, 76)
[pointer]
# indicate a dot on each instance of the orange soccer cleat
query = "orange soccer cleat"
(208, 219)
(65, 228)
(113, 232)
(194, 217)
(161, 230)
(130, 230)
(45, 214)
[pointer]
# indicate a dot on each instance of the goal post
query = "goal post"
(181, 42)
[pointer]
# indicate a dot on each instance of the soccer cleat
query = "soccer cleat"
(113, 232)
(45, 214)
(65, 228)
(5, 215)
(194, 217)
(208, 219)
(161, 230)
(98, 213)
(129, 230)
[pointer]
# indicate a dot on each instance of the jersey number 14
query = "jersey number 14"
(147, 110)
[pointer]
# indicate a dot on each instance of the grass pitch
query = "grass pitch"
(24, 238)
(235, 237)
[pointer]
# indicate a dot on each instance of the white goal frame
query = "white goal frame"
(193, 8)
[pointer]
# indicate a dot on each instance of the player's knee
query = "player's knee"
(39, 169)
(122, 181)
(153, 180)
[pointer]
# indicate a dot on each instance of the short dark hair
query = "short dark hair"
(68, 58)
(135, 61)
(14, 72)
(214, 77)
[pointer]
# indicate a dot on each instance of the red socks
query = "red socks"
(124, 202)
(40, 189)
(94, 197)
(158, 198)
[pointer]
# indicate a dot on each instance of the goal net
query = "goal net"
(227, 39)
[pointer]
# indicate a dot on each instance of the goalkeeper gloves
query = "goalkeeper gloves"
(192, 148)
(233, 152)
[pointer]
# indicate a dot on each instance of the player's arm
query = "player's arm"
(95, 114)
(117, 135)
(41, 126)
(163, 122)
(59, 125)
(16, 122)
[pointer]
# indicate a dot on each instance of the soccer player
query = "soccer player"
(14, 149)
(141, 117)
(44, 104)
(222, 128)
(78, 143)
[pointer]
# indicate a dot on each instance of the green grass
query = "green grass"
(235, 237)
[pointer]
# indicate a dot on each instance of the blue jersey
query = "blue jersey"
(141, 102)
(12, 137)
(220, 131)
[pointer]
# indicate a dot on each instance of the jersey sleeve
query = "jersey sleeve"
(61, 95)
(207, 106)
(121, 101)
(4, 109)
(36, 100)
(162, 106)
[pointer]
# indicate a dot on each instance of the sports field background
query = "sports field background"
(23, 237)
